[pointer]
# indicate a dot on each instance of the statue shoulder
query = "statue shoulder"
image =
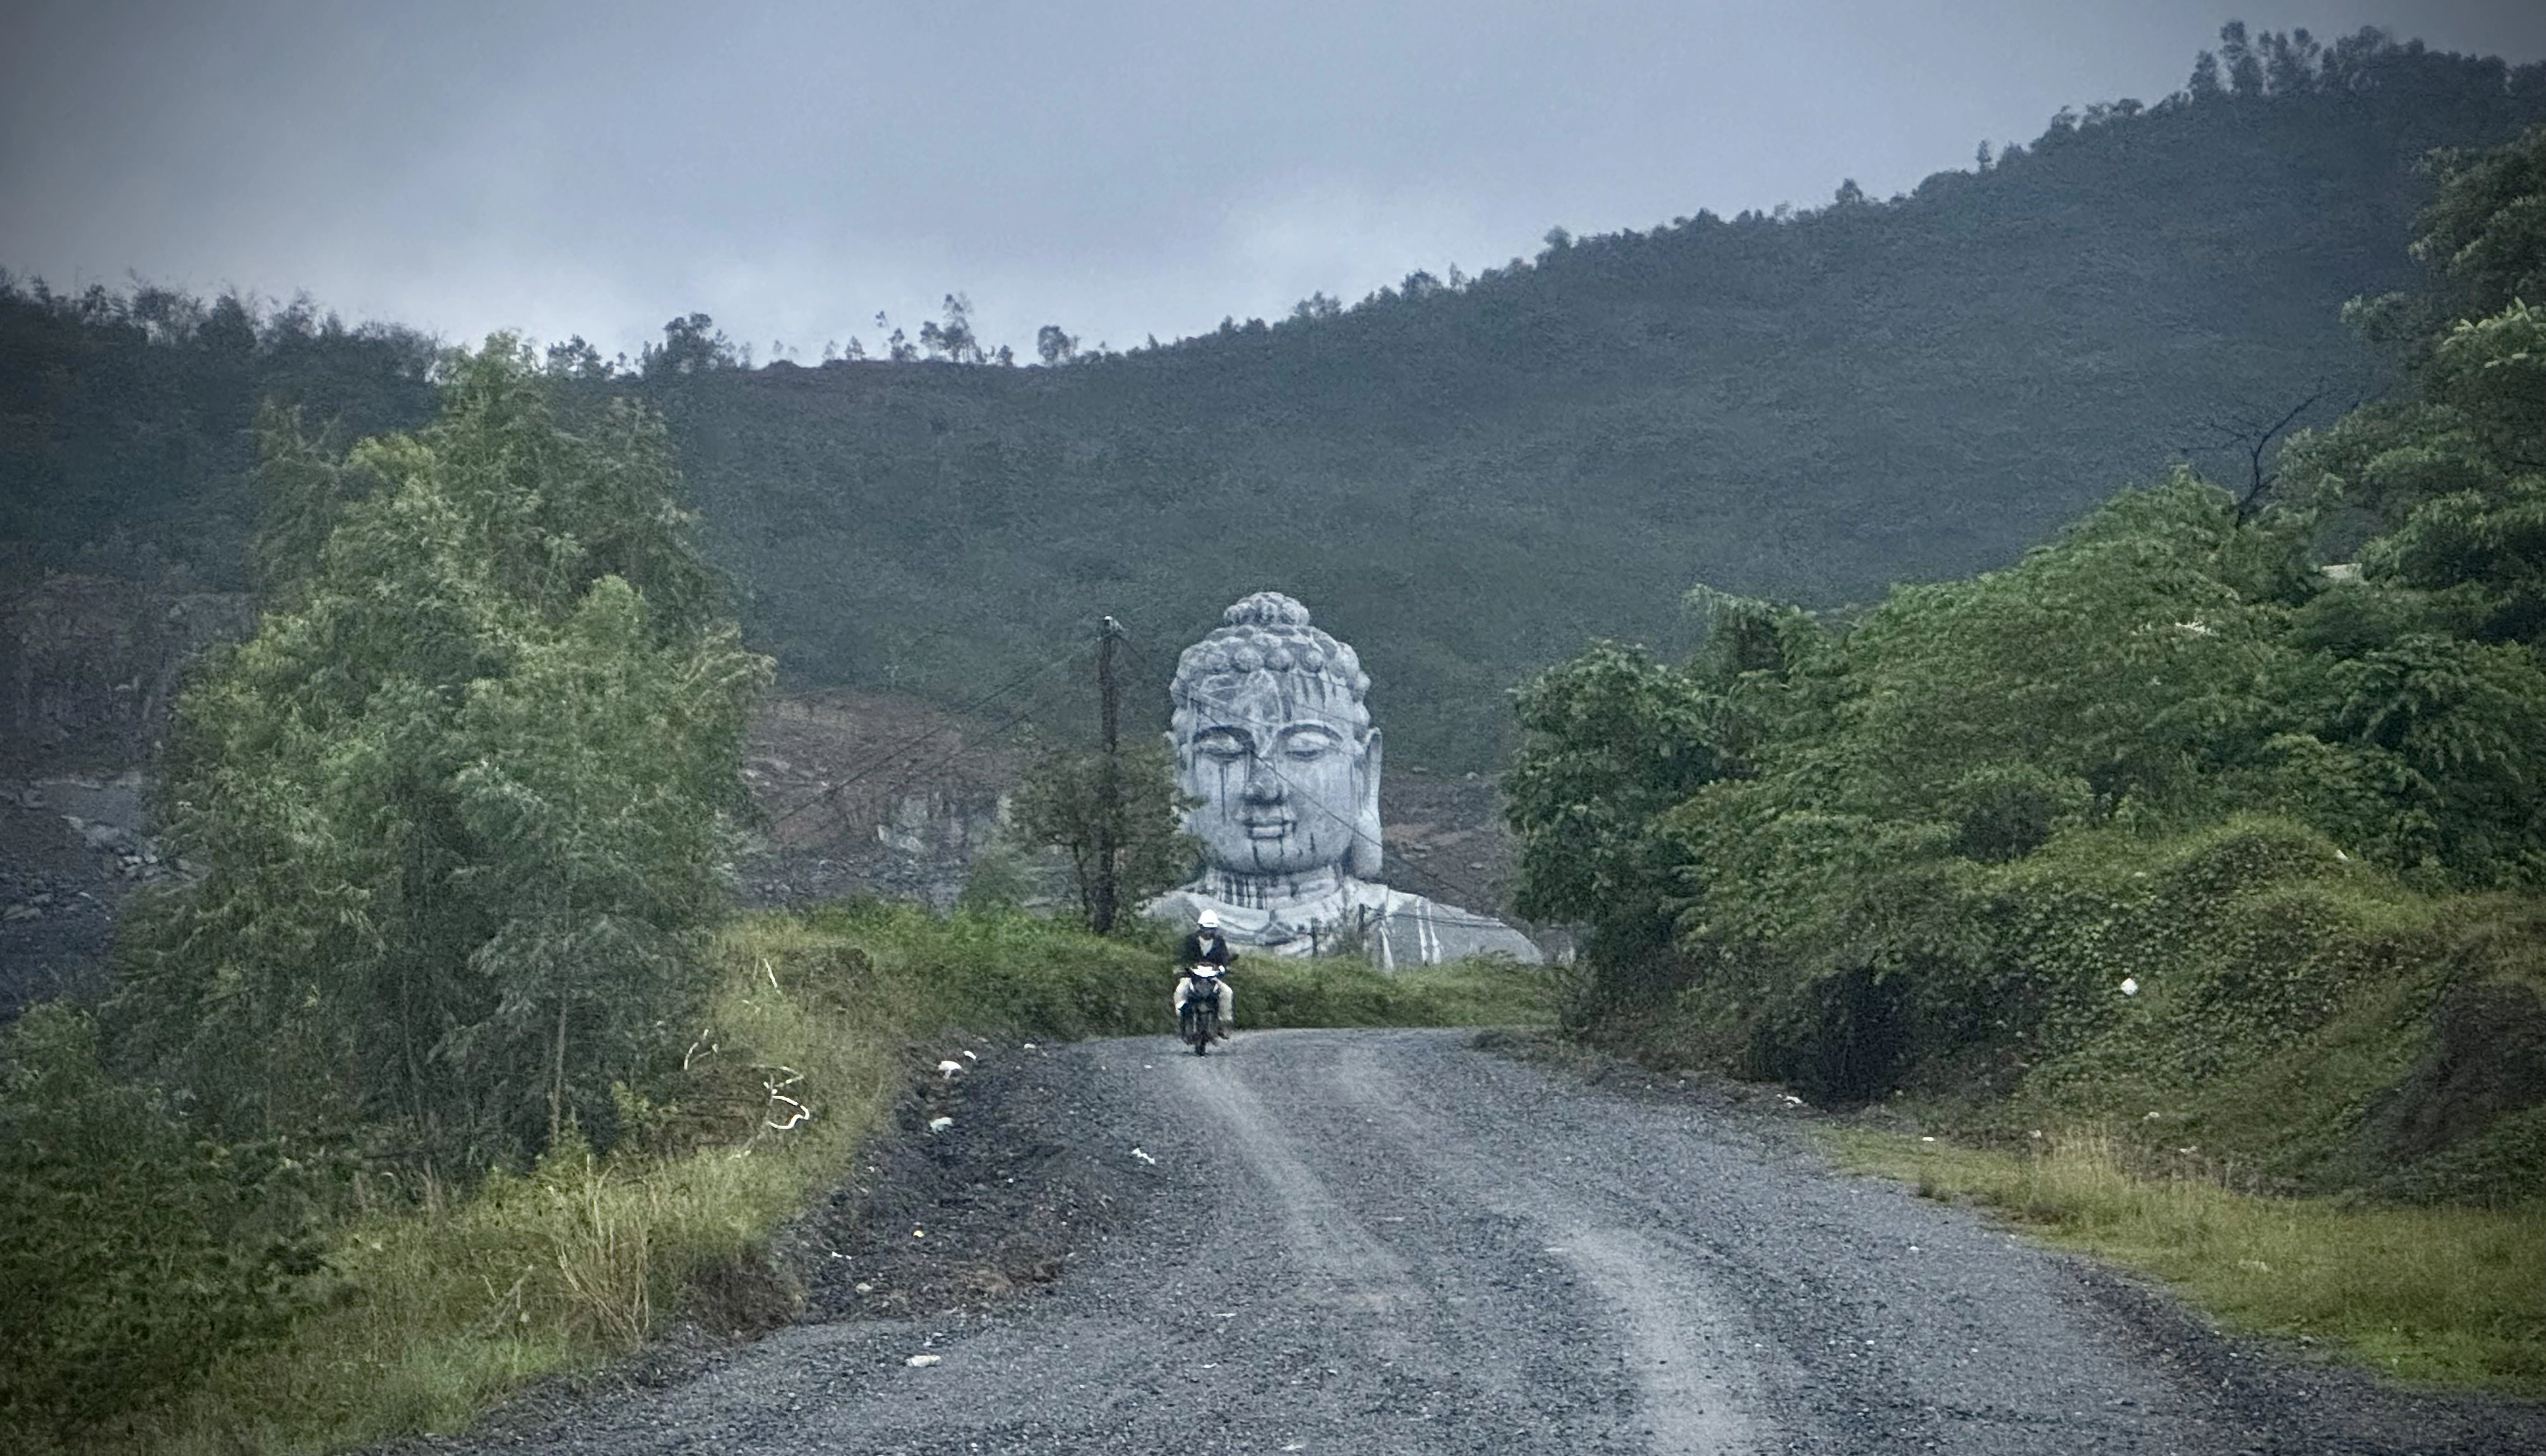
(1428, 929)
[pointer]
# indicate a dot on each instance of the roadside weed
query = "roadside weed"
(442, 1302)
(2447, 1295)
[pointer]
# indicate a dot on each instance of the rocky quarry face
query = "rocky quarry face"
(864, 794)
(72, 848)
(859, 793)
(90, 663)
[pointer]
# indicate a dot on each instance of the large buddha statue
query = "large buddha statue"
(1273, 735)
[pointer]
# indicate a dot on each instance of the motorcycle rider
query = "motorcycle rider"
(1205, 946)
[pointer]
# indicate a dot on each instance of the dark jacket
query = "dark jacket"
(1194, 951)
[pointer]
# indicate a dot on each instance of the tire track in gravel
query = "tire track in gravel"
(1388, 1244)
(1816, 1311)
(1681, 1352)
(1395, 1296)
(1351, 1268)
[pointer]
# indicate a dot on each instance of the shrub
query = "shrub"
(136, 1253)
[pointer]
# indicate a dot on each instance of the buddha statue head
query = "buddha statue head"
(1273, 739)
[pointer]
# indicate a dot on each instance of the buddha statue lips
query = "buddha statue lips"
(1274, 745)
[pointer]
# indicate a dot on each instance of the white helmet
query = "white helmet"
(1207, 921)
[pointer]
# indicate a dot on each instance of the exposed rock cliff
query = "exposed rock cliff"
(89, 662)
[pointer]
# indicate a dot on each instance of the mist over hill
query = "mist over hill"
(1465, 477)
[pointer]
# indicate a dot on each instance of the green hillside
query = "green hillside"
(1468, 477)
(1470, 482)
(2171, 825)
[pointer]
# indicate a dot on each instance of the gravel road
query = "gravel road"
(1393, 1242)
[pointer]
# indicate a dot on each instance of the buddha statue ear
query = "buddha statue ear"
(1363, 861)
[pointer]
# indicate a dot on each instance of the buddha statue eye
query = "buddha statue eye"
(1226, 744)
(1309, 742)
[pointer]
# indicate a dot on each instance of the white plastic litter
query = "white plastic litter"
(918, 1360)
(1144, 1158)
(940, 1124)
(950, 1069)
(2130, 986)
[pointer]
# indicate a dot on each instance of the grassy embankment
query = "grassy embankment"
(2440, 1295)
(2316, 1113)
(441, 1303)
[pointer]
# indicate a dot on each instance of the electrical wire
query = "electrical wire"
(1420, 873)
(916, 768)
(888, 758)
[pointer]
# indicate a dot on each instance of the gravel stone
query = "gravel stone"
(1394, 1242)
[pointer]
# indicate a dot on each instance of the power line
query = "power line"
(944, 759)
(887, 759)
(913, 768)
(1355, 830)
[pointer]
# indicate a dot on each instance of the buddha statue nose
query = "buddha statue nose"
(1263, 784)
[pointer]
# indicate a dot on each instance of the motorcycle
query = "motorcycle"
(1198, 1008)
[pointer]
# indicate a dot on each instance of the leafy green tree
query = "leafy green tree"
(1062, 802)
(2485, 230)
(692, 344)
(2455, 472)
(953, 339)
(461, 799)
(1611, 740)
(578, 359)
(2290, 62)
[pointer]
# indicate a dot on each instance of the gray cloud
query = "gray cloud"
(1121, 168)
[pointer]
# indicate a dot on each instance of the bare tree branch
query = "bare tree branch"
(2251, 434)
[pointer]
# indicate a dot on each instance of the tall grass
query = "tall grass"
(443, 1302)
(2435, 1294)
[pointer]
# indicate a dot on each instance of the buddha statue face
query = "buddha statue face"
(1272, 738)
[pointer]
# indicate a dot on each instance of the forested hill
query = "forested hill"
(1466, 481)
(1468, 477)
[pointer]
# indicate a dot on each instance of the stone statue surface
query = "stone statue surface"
(1273, 734)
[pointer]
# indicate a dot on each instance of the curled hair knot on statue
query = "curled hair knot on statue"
(1269, 632)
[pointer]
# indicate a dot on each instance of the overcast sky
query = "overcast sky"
(1120, 168)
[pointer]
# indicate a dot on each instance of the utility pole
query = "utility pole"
(1109, 781)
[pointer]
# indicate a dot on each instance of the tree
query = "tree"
(2250, 432)
(2484, 233)
(229, 329)
(2290, 62)
(137, 1249)
(1319, 305)
(1061, 803)
(2455, 474)
(2205, 85)
(2244, 69)
(1612, 740)
(953, 340)
(576, 358)
(462, 798)
(691, 345)
(1055, 347)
